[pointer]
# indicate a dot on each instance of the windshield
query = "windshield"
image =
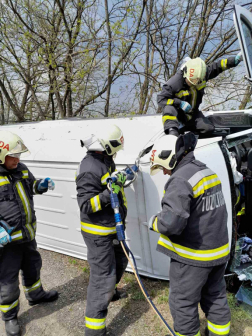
(248, 38)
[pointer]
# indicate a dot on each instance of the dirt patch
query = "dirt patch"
(131, 316)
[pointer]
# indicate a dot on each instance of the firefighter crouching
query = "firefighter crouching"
(193, 228)
(104, 254)
(182, 95)
(18, 247)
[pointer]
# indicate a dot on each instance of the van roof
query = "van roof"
(59, 140)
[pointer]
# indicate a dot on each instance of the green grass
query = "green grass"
(239, 314)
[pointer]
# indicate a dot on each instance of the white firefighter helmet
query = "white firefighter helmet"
(194, 70)
(109, 139)
(163, 154)
(11, 144)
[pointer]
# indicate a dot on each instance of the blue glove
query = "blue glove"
(5, 232)
(238, 58)
(186, 107)
(46, 184)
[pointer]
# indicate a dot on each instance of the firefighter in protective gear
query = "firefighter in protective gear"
(105, 255)
(17, 187)
(182, 95)
(193, 233)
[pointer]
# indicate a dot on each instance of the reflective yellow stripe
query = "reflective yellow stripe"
(96, 324)
(30, 229)
(198, 334)
(205, 184)
(224, 64)
(17, 235)
(164, 118)
(203, 180)
(7, 308)
(25, 202)
(170, 102)
(104, 179)
(194, 97)
(185, 252)
(33, 287)
(124, 198)
(201, 86)
(219, 329)
(95, 203)
(155, 227)
(182, 93)
(25, 174)
(241, 212)
(98, 230)
(4, 180)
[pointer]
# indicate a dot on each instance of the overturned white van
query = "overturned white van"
(56, 152)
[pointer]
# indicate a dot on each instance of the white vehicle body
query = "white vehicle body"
(56, 152)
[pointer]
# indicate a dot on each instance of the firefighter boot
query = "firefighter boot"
(48, 297)
(118, 296)
(12, 328)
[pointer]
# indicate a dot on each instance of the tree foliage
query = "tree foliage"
(93, 58)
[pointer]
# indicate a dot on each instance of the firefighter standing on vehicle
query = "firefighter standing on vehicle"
(182, 95)
(193, 228)
(18, 247)
(105, 256)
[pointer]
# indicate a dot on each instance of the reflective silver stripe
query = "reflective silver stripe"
(33, 287)
(182, 93)
(25, 201)
(219, 329)
(224, 64)
(4, 180)
(209, 183)
(194, 96)
(199, 176)
(104, 179)
(189, 253)
(96, 324)
(17, 235)
(30, 229)
(25, 173)
(6, 308)
(95, 203)
(95, 229)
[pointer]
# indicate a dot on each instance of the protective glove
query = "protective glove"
(238, 58)
(121, 179)
(46, 184)
(5, 232)
(153, 223)
(186, 107)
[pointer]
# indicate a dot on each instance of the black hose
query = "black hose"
(150, 301)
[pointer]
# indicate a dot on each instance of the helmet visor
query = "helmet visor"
(155, 169)
(20, 148)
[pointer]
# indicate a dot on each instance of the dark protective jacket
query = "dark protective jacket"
(17, 187)
(97, 215)
(193, 220)
(176, 90)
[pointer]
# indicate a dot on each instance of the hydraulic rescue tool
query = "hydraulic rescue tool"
(130, 173)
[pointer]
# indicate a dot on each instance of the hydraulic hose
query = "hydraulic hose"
(127, 251)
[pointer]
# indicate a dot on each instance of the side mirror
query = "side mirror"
(250, 159)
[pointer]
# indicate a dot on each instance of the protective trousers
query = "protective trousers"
(14, 258)
(189, 286)
(107, 263)
(198, 121)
